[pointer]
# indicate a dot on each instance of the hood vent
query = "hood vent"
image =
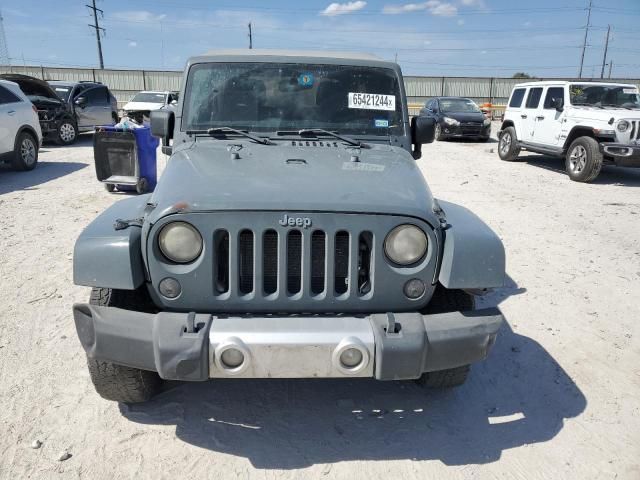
(313, 143)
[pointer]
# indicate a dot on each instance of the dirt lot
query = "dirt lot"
(558, 398)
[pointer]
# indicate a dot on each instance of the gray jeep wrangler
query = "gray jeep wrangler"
(291, 235)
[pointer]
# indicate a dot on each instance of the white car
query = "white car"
(20, 134)
(144, 102)
(590, 124)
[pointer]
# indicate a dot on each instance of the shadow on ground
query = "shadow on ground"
(609, 175)
(11, 181)
(519, 396)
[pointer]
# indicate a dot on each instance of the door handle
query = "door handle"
(540, 117)
(11, 112)
(523, 116)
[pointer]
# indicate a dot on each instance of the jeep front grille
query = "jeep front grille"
(296, 262)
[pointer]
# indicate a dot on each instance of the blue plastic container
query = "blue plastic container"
(126, 158)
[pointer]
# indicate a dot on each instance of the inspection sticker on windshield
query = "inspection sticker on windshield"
(363, 167)
(629, 90)
(372, 101)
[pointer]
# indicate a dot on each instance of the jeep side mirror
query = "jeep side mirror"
(558, 104)
(423, 130)
(162, 122)
(81, 101)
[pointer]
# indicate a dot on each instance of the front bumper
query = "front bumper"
(181, 346)
(623, 155)
(465, 131)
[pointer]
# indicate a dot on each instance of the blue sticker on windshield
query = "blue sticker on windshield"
(305, 80)
(381, 123)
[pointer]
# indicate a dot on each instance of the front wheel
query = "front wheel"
(508, 149)
(117, 382)
(584, 160)
(67, 132)
(25, 155)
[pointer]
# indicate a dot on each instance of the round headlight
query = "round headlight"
(180, 242)
(405, 244)
(623, 126)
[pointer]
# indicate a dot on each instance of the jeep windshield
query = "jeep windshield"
(276, 97)
(604, 96)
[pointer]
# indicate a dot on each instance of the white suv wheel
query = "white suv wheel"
(578, 159)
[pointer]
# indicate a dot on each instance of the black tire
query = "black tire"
(25, 153)
(438, 133)
(484, 139)
(117, 382)
(67, 133)
(109, 187)
(583, 161)
(452, 377)
(508, 149)
(443, 301)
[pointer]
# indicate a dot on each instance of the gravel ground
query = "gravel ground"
(558, 397)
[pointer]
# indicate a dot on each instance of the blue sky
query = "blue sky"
(436, 37)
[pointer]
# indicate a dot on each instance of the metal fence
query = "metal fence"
(125, 83)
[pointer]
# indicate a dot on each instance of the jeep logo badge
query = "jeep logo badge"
(287, 221)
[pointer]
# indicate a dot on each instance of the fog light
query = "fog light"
(414, 288)
(170, 287)
(351, 358)
(232, 358)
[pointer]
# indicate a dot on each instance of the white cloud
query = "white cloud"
(343, 8)
(133, 44)
(434, 7)
(473, 3)
(461, 22)
(138, 16)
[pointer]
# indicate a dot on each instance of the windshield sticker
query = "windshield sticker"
(372, 101)
(61, 89)
(362, 167)
(381, 123)
(629, 90)
(305, 80)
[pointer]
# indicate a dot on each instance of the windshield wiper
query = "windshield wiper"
(615, 106)
(216, 130)
(322, 131)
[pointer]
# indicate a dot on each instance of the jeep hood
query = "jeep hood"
(603, 114)
(205, 177)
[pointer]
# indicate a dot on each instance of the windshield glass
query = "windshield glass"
(604, 95)
(62, 92)
(458, 105)
(270, 97)
(148, 97)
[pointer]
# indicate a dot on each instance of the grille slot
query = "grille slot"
(365, 252)
(221, 273)
(318, 247)
(341, 263)
(245, 262)
(294, 262)
(270, 262)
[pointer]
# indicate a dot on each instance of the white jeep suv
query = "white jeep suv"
(587, 123)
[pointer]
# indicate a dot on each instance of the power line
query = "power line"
(99, 30)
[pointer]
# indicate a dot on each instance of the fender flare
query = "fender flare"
(473, 256)
(110, 258)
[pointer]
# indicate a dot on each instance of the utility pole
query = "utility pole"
(99, 30)
(250, 37)
(586, 33)
(5, 59)
(606, 47)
